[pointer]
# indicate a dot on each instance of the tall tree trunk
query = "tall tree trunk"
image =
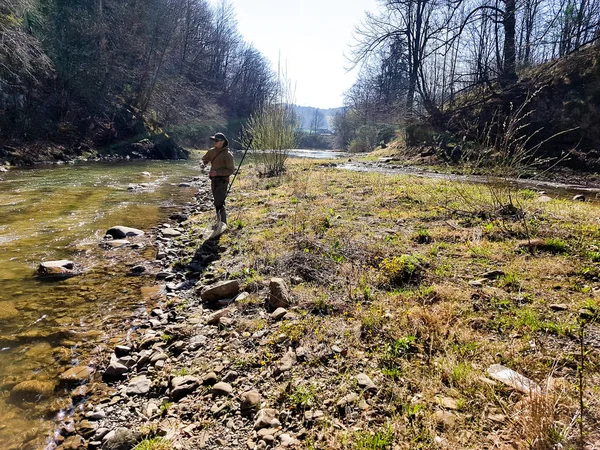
(509, 70)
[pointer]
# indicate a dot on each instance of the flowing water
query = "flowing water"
(62, 213)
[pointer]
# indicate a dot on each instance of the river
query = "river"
(62, 212)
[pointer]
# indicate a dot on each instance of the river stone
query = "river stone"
(143, 359)
(80, 393)
(95, 415)
(158, 356)
(494, 274)
(57, 269)
(8, 311)
(115, 370)
(220, 291)
(179, 217)
(121, 232)
(73, 443)
(117, 243)
(249, 401)
(120, 439)
(76, 375)
(31, 391)
(279, 313)
(222, 389)
(559, 307)
(287, 362)
(279, 296)
(364, 382)
(209, 379)
(288, 441)
(122, 350)
(139, 386)
(216, 317)
(513, 379)
(182, 386)
(448, 403)
(127, 361)
(170, 233)
(346, 400)
(86, 428)
(267, 418)
(445, 419)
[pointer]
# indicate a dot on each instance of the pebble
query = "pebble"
(364, 382)
(139, 385)
(279, 313)
(209, 379)
(95, 415)
(267, 418)
(287, 362)
(559, 307)
(347, 399)
(222, 388)
(250, 400)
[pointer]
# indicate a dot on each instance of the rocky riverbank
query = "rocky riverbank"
(347, 310)
(158, 147)
(183, 377)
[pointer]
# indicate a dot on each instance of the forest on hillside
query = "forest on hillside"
(98, 71)
(456, 64)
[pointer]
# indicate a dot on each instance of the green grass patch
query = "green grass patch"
(156, 443)
(380, 440)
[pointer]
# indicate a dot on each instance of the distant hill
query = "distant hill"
(306, 116)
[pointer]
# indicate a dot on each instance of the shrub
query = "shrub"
(366, 140)
(401, 270)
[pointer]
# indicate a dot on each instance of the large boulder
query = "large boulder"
(57, 269)
(121, 232)
(32, 391)
(165, 147)
(141, 149)
(279, 296)
(220, 291)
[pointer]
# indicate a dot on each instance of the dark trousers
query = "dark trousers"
(219, 187)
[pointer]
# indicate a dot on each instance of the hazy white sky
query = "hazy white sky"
(312, 37)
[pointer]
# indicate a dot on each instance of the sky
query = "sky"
(312, 37)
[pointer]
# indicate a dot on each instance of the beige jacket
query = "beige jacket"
(221, 161)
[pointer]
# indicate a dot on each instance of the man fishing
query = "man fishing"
(221, 168)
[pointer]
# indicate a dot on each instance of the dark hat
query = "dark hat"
(218, 137)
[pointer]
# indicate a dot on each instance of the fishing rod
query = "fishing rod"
(239, 167)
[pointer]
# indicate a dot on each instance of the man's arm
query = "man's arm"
(209, 156)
